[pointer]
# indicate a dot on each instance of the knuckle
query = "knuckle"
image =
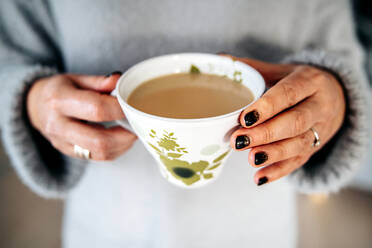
(319, 76)
(282, 151)
(59, 77)
(314, 74)
(105, 156)
(282, 168)
(53, 103)
(267, 103)
(300, 120)
(102, 144)
(53, 88)
(97, 111)
(290, 94)
(51, 126)
(267, 134)
(304, 143)
(306, 69)
(52, 96)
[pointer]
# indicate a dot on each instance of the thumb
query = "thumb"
(95, 82)
(270, 72)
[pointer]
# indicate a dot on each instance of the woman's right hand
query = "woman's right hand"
(60, 106)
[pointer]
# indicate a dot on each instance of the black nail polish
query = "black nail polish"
(242, 141)
(251, 118)
(114, 73)
(260, 158)
(262, 180)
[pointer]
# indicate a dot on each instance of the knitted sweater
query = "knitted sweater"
(126, 202)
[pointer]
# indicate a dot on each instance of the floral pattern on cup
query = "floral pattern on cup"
(170, 153)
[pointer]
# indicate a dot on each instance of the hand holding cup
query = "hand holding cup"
(280, 128)
(61, 106)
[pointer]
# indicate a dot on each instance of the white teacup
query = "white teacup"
(190, 152)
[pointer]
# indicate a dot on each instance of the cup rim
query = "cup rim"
(204, 119)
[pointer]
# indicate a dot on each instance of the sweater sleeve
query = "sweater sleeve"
(333, 47)
(29, 51)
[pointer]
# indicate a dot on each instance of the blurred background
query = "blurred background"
(339, 220)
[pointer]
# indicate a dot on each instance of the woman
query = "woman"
(316, 107)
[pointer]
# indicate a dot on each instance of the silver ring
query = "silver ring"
(81, 152)
(316, 142)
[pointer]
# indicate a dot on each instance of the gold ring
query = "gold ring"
(316, 142)
(81, 152)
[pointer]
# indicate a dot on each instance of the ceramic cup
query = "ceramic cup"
(189, 152)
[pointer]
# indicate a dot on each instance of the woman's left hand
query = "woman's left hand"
(277, 127)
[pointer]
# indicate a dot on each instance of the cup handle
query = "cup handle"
(123, 122)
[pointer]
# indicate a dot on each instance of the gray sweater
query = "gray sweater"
(41, 38)
(126, 203)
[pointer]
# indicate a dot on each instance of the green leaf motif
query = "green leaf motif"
(155, 148)
(208, 175)
(174, 166)
(194, 69)
(167, 144)
(174, 155)
(238, 76)
(199, 166)
(182, 170)
(237, 73)
(220, 157)
(214, 166)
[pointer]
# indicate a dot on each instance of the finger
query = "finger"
(280, 169)
(286, 93)
(102, 142)
(270, 72)
(94, 82)
(68, 149)
(87, 105)
(288, 124)
(63, 146)
(282, 150)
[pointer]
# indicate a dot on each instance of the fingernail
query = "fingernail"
(114, 73)
(262, 180)
(260, 158)
(251, 118)
(242, 141)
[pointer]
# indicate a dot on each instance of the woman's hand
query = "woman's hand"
(59, 107)
(277, 126)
